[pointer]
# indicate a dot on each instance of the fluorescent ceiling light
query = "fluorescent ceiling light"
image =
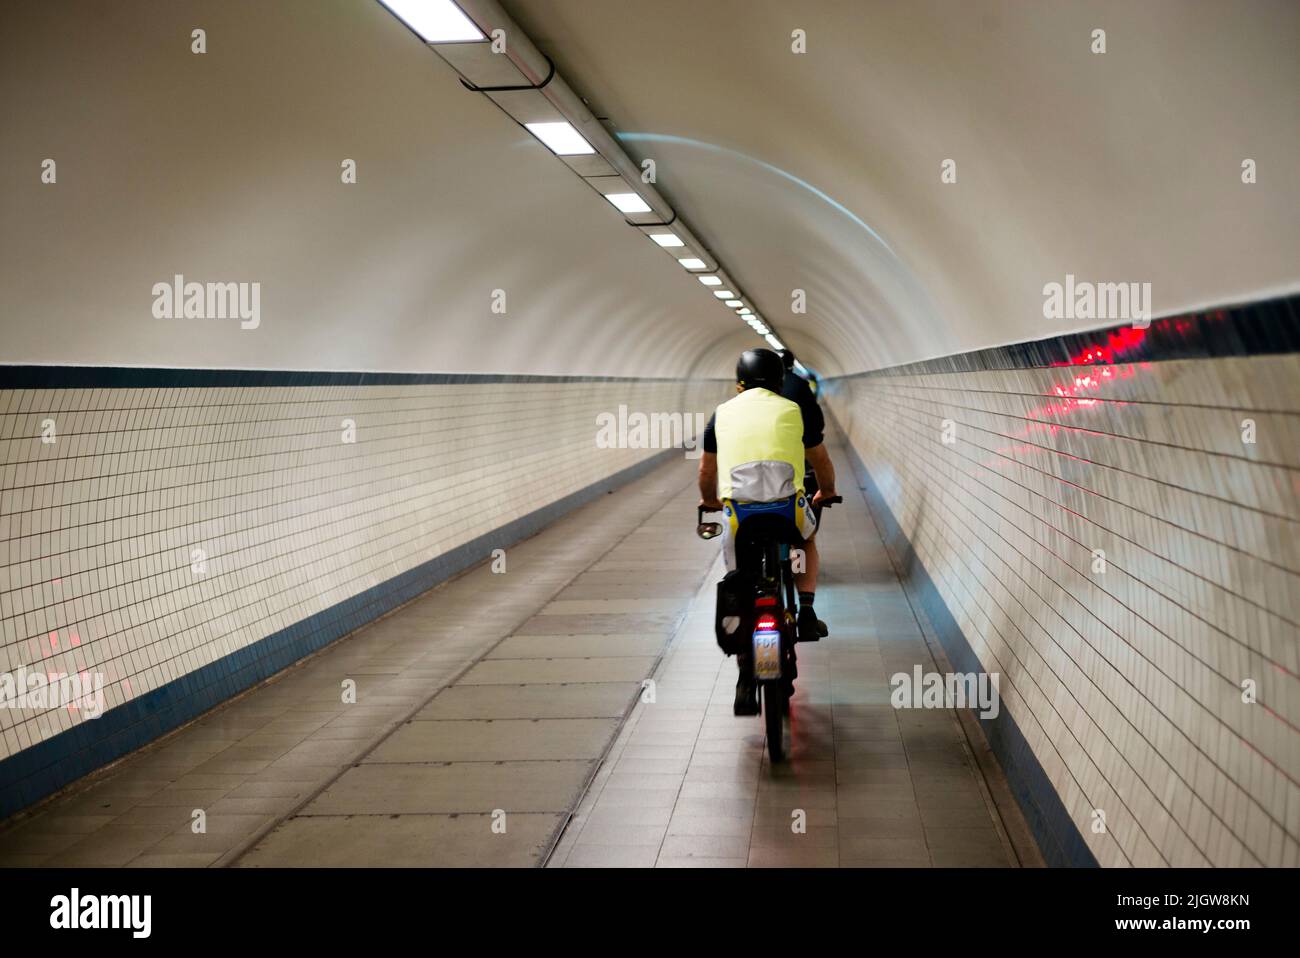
(691, 263)
(665, 239)
(628, 202)
(724, 294)
(774, 342)
(561, 137)
(735, 303)
(436, 21)
(746, 311)
(711, 280)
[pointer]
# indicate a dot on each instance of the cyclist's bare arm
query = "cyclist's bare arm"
(709, 481)
(823, 469)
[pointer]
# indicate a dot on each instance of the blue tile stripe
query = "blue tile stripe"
(44, 768)
(151, 377)
(1057, 835)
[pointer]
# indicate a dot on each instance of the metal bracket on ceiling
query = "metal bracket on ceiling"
(474, 88)
(642, 225)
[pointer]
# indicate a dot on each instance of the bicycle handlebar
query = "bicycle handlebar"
(825, 504)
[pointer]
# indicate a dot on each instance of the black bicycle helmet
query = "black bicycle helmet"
(760, 367)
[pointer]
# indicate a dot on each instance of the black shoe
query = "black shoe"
(811, 628)
(746, 697)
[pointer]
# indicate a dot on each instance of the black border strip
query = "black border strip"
(1251, 329)
(17, 376)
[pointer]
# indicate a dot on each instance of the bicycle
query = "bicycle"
(760, 602)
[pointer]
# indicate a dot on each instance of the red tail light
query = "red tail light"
(765, 601)
(766, 623)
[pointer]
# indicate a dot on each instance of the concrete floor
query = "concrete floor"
(500, 721)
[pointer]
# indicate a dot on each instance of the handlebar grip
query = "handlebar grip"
(827, 503)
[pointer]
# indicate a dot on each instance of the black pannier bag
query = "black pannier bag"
(733, 619)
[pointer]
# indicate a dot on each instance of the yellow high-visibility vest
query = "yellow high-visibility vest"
(760, 447)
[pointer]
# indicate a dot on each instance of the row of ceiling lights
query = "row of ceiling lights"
(442, 22)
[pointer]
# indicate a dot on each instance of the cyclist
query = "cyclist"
(753, 462)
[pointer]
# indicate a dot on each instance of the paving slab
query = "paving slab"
(529, 671)
(408, 841)
(598, 623)
(584, 700)
(496, 740)
(579, 646)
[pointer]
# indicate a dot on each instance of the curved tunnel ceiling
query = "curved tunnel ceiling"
(817, 171)
(821, 170)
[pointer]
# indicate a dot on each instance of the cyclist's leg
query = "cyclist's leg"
(810, 627)
(806, 581)
(746, 702)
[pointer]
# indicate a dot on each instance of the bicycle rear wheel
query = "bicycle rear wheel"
(774, 704)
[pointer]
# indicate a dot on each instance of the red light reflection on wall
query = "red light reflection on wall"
(1073, 394)
(1119, 341)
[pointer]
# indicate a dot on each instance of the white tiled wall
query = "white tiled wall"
(98, 529)
(1127, 682)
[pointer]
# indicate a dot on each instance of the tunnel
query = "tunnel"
(365, 362)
